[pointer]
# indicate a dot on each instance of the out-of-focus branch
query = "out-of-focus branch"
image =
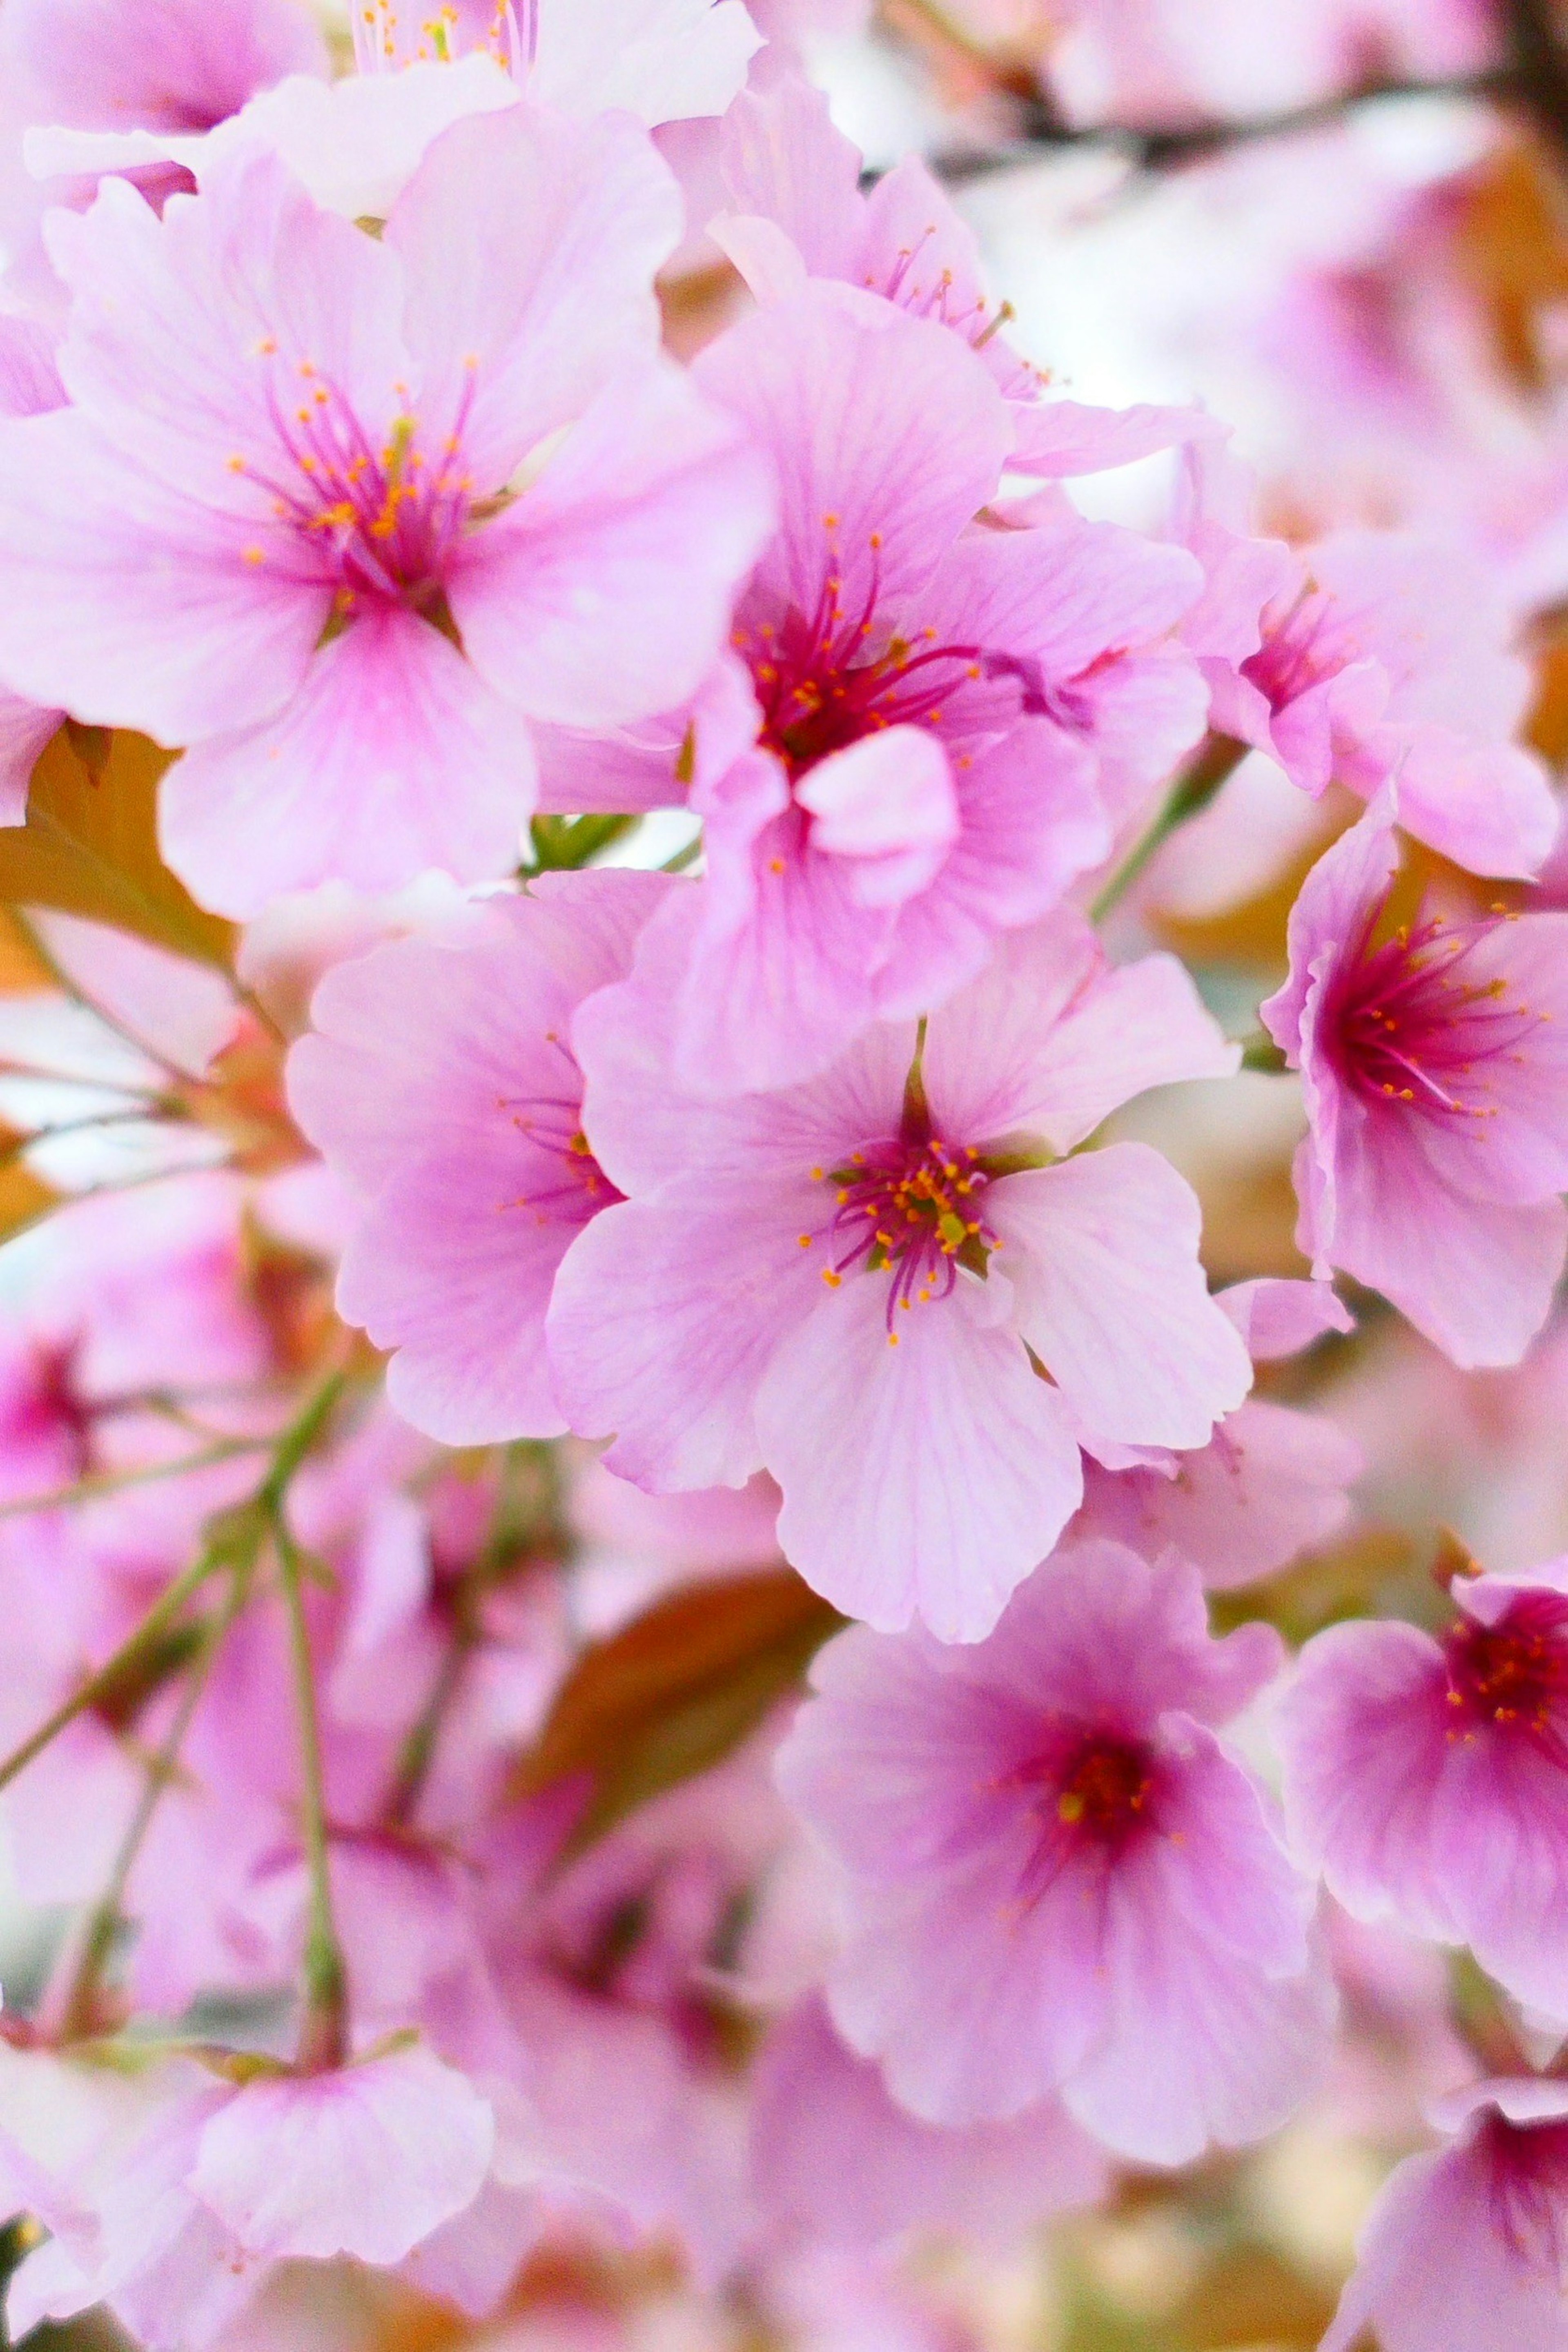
(1164, 150)
(1538, 49)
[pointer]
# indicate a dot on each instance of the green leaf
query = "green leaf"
(89, 845)
(676, 1691)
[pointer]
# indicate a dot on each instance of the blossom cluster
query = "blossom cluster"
(673, 1593)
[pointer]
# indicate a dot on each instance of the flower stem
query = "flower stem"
(324, 2033)
(1215, 762)
(79, 2013)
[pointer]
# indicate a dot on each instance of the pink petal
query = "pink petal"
(835, 2158)
(1363, 1733)
(922, 1480)
(132, 605)
(530, 302)
(395, 756)
(664, 1315)
(365, 2161)
(1101, 1252)
(566, 602)
(887, 805)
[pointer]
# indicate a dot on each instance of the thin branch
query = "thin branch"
(1193, 791)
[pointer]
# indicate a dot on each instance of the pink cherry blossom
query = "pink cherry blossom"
(1427, 1775)
(794, 181)
(179, 2220)
(1372, 654)
(1465, 2247)
(854, 1284)
(306, 438)
(911, 742)
(1431, 1063)
(441, 1084)
(1055, 1876)
(837, 2163)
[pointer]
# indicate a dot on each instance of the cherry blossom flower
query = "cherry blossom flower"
(1465, 2247)
(1372, 654)
(1055, 1876)
(441, 1084)
(178, 2221)
(1427, 1775)
(910, 744)
(309, 440)
(1431, 1062)
(856, 1284)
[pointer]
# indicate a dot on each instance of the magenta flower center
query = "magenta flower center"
(1527, 2164)
(1302, 648)
(1091, 1794)
(1514, 1673)
(907, 1206)
(829, 678)
(1106, 1794)
(1414, 1021)
(569, 1186)
(369, 520)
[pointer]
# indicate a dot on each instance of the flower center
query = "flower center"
(828, 678)
(1527, 2166)
(378, 521)
(1091, 1794)
(388, 36)
(1415, 1023)
(1300, 649)
(569, 1187)
(1514, 1673)
(934, 293)
(1107, 1791)
(907, 1206)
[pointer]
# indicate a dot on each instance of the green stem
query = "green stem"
(323, 2034)
(234, 1536)
(1218, 759)
(79, 2009)
(89, 1490)
(687, 854)
(116, 1670)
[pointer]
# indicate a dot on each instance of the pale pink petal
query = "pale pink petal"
(1101, 1252)
(1499, 1849)
(565, 601)
(395, 756)
(132, 605)
(1277, 1318)
(922, 1478)
(1488, 806)
(701, 1284)
(531, 302)
(365, 2161)
(1269, 1485)
(784, 159)
(178, 341)
(1141, 1025)
(886, 807)
(1437, 2272)
(1060, 438)
(662, 60)
(855, 401)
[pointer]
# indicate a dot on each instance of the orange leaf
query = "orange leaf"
(89, 845)
(676, 1691)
